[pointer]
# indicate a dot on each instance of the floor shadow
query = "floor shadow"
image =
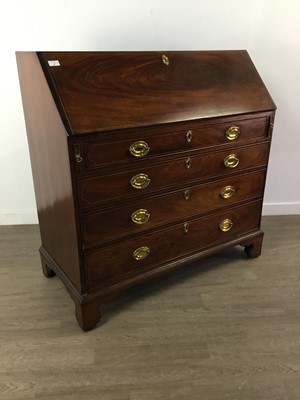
(172, 278)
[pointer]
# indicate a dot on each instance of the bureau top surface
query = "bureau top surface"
(100, 91)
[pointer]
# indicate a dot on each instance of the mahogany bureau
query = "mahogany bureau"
(142, 162)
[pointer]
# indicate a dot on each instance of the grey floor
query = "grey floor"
(225, 328)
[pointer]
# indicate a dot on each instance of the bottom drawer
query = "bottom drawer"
(133, 257)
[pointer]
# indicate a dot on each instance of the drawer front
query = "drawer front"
(151, 213)
(93, 190)
(135, 256)
(146, 143)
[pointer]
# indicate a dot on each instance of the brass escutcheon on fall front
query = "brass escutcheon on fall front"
(165, 59)
(141, 253)
(140, 216)
(139, 148)
(226, 225)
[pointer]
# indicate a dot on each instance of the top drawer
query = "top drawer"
(123, 147)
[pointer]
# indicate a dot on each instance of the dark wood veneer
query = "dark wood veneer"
(113, 261)
(49, 155)
(169, 174)
(169, 208)
(84, 110)
(161, 141)
(194, 85)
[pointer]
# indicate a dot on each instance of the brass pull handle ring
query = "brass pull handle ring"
(78, 157)
(139, 149)
(231, 161)
(232, 133)
(140, 181)
(227, 192)
(140, 216)
(226, 225)
(140, 253)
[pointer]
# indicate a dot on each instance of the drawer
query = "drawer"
(181, 171)
(166, 209)
(147, 142)
(134, 257)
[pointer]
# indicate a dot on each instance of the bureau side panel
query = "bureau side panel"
(48, 148)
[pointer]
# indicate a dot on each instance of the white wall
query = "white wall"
(268, 29)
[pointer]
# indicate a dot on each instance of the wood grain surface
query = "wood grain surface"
(112, 90)
(170, 174)
(207, 116)
(112, 148)
(116, 262)
(49, 156)
(169, 208)
(223, 329)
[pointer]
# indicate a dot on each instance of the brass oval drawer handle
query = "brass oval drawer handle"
(140, 253)
(188, 136)
(165, 59)
(140, 181)
(231, 161)
(139, 148)
(186, 227)
(188, 163)
(227, 192)
(226, 225)
(233, 133)
(140, 216)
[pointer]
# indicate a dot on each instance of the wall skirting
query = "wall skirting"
(18, 218)
(281, 208)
